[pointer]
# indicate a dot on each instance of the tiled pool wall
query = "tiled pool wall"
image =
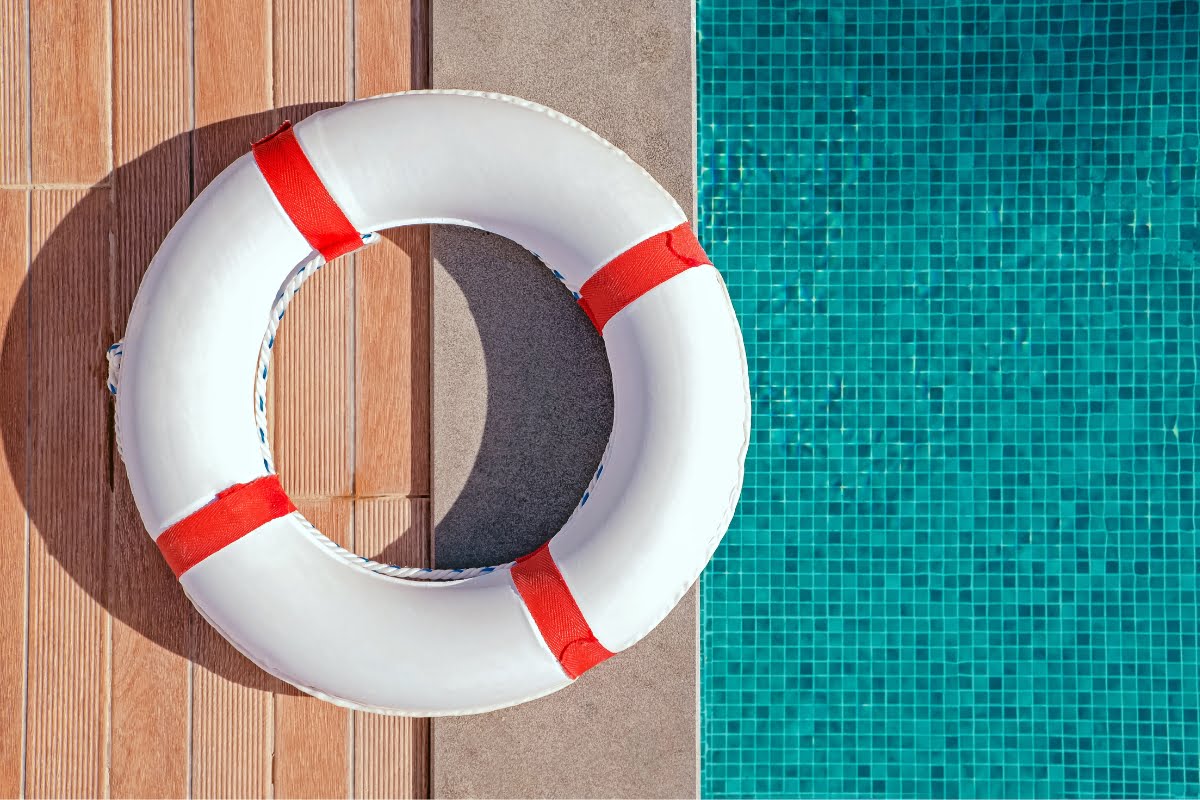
(962, 241)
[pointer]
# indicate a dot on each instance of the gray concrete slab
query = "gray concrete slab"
(522, 396)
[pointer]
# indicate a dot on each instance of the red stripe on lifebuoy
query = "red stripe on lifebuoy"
(556, 613)
(638, 270)
(236, 511)
(304, 198)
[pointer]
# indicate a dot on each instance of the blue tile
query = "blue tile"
(962, 239)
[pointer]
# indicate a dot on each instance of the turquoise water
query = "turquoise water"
(962, 240)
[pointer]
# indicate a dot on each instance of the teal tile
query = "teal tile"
(962, 239)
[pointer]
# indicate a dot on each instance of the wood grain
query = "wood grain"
(391, 46)
(152, 186)
(151, 688)
(69, 90)
(232, 40)
(14, 92)
(151, 73)
(14, 544)
(68, 498)
(392, 333)
(391, 754)
(392, 326)
(231, 728)
(312, 367)
(232, 84)
(312, 737)
(314, 357)
(302, 29)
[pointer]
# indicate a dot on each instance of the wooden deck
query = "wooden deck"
(113, 115)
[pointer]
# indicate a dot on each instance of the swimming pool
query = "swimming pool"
(962, 240)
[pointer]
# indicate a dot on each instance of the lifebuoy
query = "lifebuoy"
(402, 640)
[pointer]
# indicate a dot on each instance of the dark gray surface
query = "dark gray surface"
(523, 404)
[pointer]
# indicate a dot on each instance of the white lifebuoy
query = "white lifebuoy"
(399, 640)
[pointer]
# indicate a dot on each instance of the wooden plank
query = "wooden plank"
(69, 88)
(303, 28)
(313, 359)
(392, 335)
(68, 495)
(392, 328)
(151, 689)
(312, 752)
(231, 724)
(393, 530)
(14, 92)
(232, 721)
(311, 387)
(391, 46)
(14, 256)
(232, 41)
(152, 93)
(391, 754)
(150, 672)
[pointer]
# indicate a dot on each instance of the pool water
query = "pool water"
(962, 239)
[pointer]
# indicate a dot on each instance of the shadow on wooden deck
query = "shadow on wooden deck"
(55, 412)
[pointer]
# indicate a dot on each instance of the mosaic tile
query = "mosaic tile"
(962, 239)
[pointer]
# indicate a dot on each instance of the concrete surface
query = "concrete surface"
(522, 396)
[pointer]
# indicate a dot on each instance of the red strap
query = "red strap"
(556, 613)
(238, 510)
(304, 198)
(638, 270)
